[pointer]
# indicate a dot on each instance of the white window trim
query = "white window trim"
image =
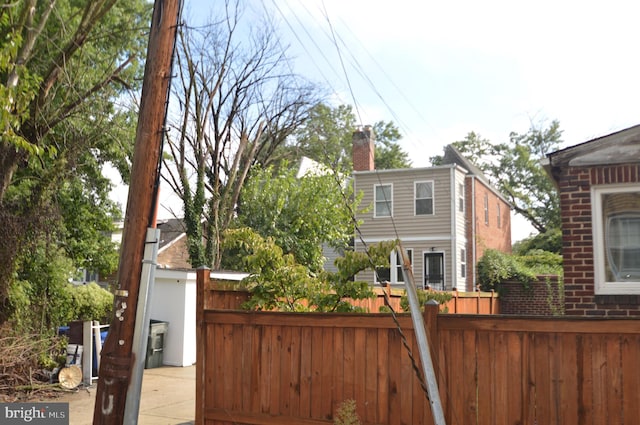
(396, 263)
(433, 197)
(601, 286)
(375, 201)
(463, 262)
(461, 200)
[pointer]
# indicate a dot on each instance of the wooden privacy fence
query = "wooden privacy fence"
(289, 368)
(460, 303)
(219, 294)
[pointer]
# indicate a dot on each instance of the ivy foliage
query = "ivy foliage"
(496, 267)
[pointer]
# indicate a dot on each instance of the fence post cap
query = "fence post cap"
(432, 302)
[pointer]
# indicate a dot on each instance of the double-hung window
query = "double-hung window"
(393, 274)
(396, 261)
(383, 200)
(616, 238)
(423, 198)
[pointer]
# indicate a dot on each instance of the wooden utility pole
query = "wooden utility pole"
(117, 359)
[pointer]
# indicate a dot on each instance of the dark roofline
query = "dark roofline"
(562, 156)
(453, 155)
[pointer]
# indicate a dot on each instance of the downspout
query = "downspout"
(473, 231)
(454, 230)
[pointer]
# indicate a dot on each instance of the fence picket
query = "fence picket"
(273, 368)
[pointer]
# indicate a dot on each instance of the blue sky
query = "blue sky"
(442, 69)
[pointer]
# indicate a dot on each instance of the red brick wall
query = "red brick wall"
(540, 298)
(468, 211)
(491, 236)
(577, 240)
(175, 256)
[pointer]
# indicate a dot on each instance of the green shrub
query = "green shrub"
(424, 297)
(496, 267)
(38, 296)
(90, 302)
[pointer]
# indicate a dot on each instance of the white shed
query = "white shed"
(173, 300)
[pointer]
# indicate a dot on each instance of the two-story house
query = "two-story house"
(445, 216)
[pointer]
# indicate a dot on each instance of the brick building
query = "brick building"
(599, 185)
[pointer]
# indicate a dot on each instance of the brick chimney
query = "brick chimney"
(363, 149)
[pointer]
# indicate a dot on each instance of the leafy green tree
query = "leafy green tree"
(66, 67)
(38, 298)
(550, 241)
(87, 222)
(515, 169)
(300, 214)
(326, 137)
(277, 282)
(389, 155)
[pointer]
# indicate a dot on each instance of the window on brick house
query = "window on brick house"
(383, 195)
(498, 215)
(616, 238)
(486, 209)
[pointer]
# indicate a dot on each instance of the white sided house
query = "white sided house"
(444, 216)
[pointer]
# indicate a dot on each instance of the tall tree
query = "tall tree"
(300, 214)
(326, 137)
(389, 155)
(515, 168)
(65, 65)
(239, 102)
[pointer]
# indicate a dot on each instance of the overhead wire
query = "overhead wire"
(334, 39)
(399, 329)
(346, 75)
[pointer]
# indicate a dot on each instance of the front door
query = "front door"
(434, 270)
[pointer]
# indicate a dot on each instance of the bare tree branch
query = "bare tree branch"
(240, 102)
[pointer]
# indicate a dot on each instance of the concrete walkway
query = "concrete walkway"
(168, 398)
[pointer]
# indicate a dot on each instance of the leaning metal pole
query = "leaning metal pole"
(421, 338)
(141, 331)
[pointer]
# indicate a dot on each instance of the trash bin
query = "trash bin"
(155, 343)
